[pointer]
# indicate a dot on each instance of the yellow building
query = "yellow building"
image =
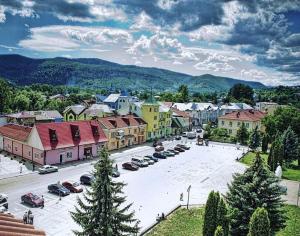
(150, 113)
(233, 121)
(123, 131)
(165, 120)
(72, 113)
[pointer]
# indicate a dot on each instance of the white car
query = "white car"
(140, 162)
(48, 169)
(150, 162)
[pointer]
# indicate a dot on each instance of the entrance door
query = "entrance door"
(61, 158)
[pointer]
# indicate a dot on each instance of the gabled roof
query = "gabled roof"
(98, 109)
(77, 109)
(16, 132)
(117, 122)
(245, 115)
(177, 112)
(112, 97)
(163, 107)
(64, 133)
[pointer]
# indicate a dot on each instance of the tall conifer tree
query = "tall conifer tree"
(256, 187)
(102, 212)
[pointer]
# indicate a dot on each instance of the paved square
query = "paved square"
(152, 190)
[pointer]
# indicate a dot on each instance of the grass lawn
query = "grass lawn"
(189, 223)
(181, 223)
(292, 173)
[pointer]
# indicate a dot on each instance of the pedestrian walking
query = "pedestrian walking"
(25, 217)
(21, 169)
(30, 218)
(43, 202)
(181, 197)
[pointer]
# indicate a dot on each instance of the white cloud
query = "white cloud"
(66, 38)
(2, 15)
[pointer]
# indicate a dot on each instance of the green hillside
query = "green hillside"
(97, 73)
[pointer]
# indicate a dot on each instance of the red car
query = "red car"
(130, 166)
(73, 186)
(159, 148)
(32, 199)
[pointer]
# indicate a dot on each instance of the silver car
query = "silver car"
(150, 162)
(48, 169)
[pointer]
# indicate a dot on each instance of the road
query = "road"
(17, 186)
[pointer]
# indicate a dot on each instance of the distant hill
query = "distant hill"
(97, 73)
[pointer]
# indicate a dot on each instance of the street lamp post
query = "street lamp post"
(188, 199)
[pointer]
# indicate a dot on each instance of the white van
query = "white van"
(139, 162)
(191, 135)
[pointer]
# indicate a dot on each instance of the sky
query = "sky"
(256, 40)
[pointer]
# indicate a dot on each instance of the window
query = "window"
(150, 109)
(69, 155)
(230, 124)
(154, 126)
(135, 130)
(239, 123)
(29, 153)
(36, 155)
(155, 110)
(16, 149)
(149, 134)
(223, 122)
(230, 131)
(155, 117)
(247, 125)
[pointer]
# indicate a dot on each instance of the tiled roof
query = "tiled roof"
(246, 115)
(112, 97)
(178, 112)
(16, 132)
(77, 109)
(65, 134)
(116, 122)
(39, 115)
(10, 226)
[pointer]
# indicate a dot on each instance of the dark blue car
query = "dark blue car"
(159, 155)
(58, 189)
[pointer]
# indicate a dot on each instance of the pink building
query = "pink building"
(53, 143)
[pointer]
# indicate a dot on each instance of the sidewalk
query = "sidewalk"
(292, 191)
(12, 168)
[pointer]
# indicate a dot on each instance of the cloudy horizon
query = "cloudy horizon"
(255, 41)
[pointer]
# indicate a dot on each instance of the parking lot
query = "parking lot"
(154, 189)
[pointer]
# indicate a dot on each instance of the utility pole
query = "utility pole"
(188, 200)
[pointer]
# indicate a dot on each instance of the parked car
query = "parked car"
(179, 149)
(130, 166)
(58, 189)
(87, 179)
(73, 186)
(32, 199)
(149, 160)
(152, 158)
(191, 135)
(199, 130)
(48, 169)
(115, 172)
(168, 154)
(183, 146)
(159, 155)
(173, 151)
(159, 148)
(3, 201)
(184, 134)
(157, 143)
(177, 137)
(140, 162)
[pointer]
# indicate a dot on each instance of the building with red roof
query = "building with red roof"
(123, 131)
(233, 121)
(54, 143)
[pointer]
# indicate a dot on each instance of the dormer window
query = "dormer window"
(95, 130)
(52, 135)
(75, 131)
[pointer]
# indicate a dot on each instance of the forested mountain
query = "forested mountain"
(97, 73)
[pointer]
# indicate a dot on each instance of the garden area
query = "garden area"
(185, 222)
(291, 173)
